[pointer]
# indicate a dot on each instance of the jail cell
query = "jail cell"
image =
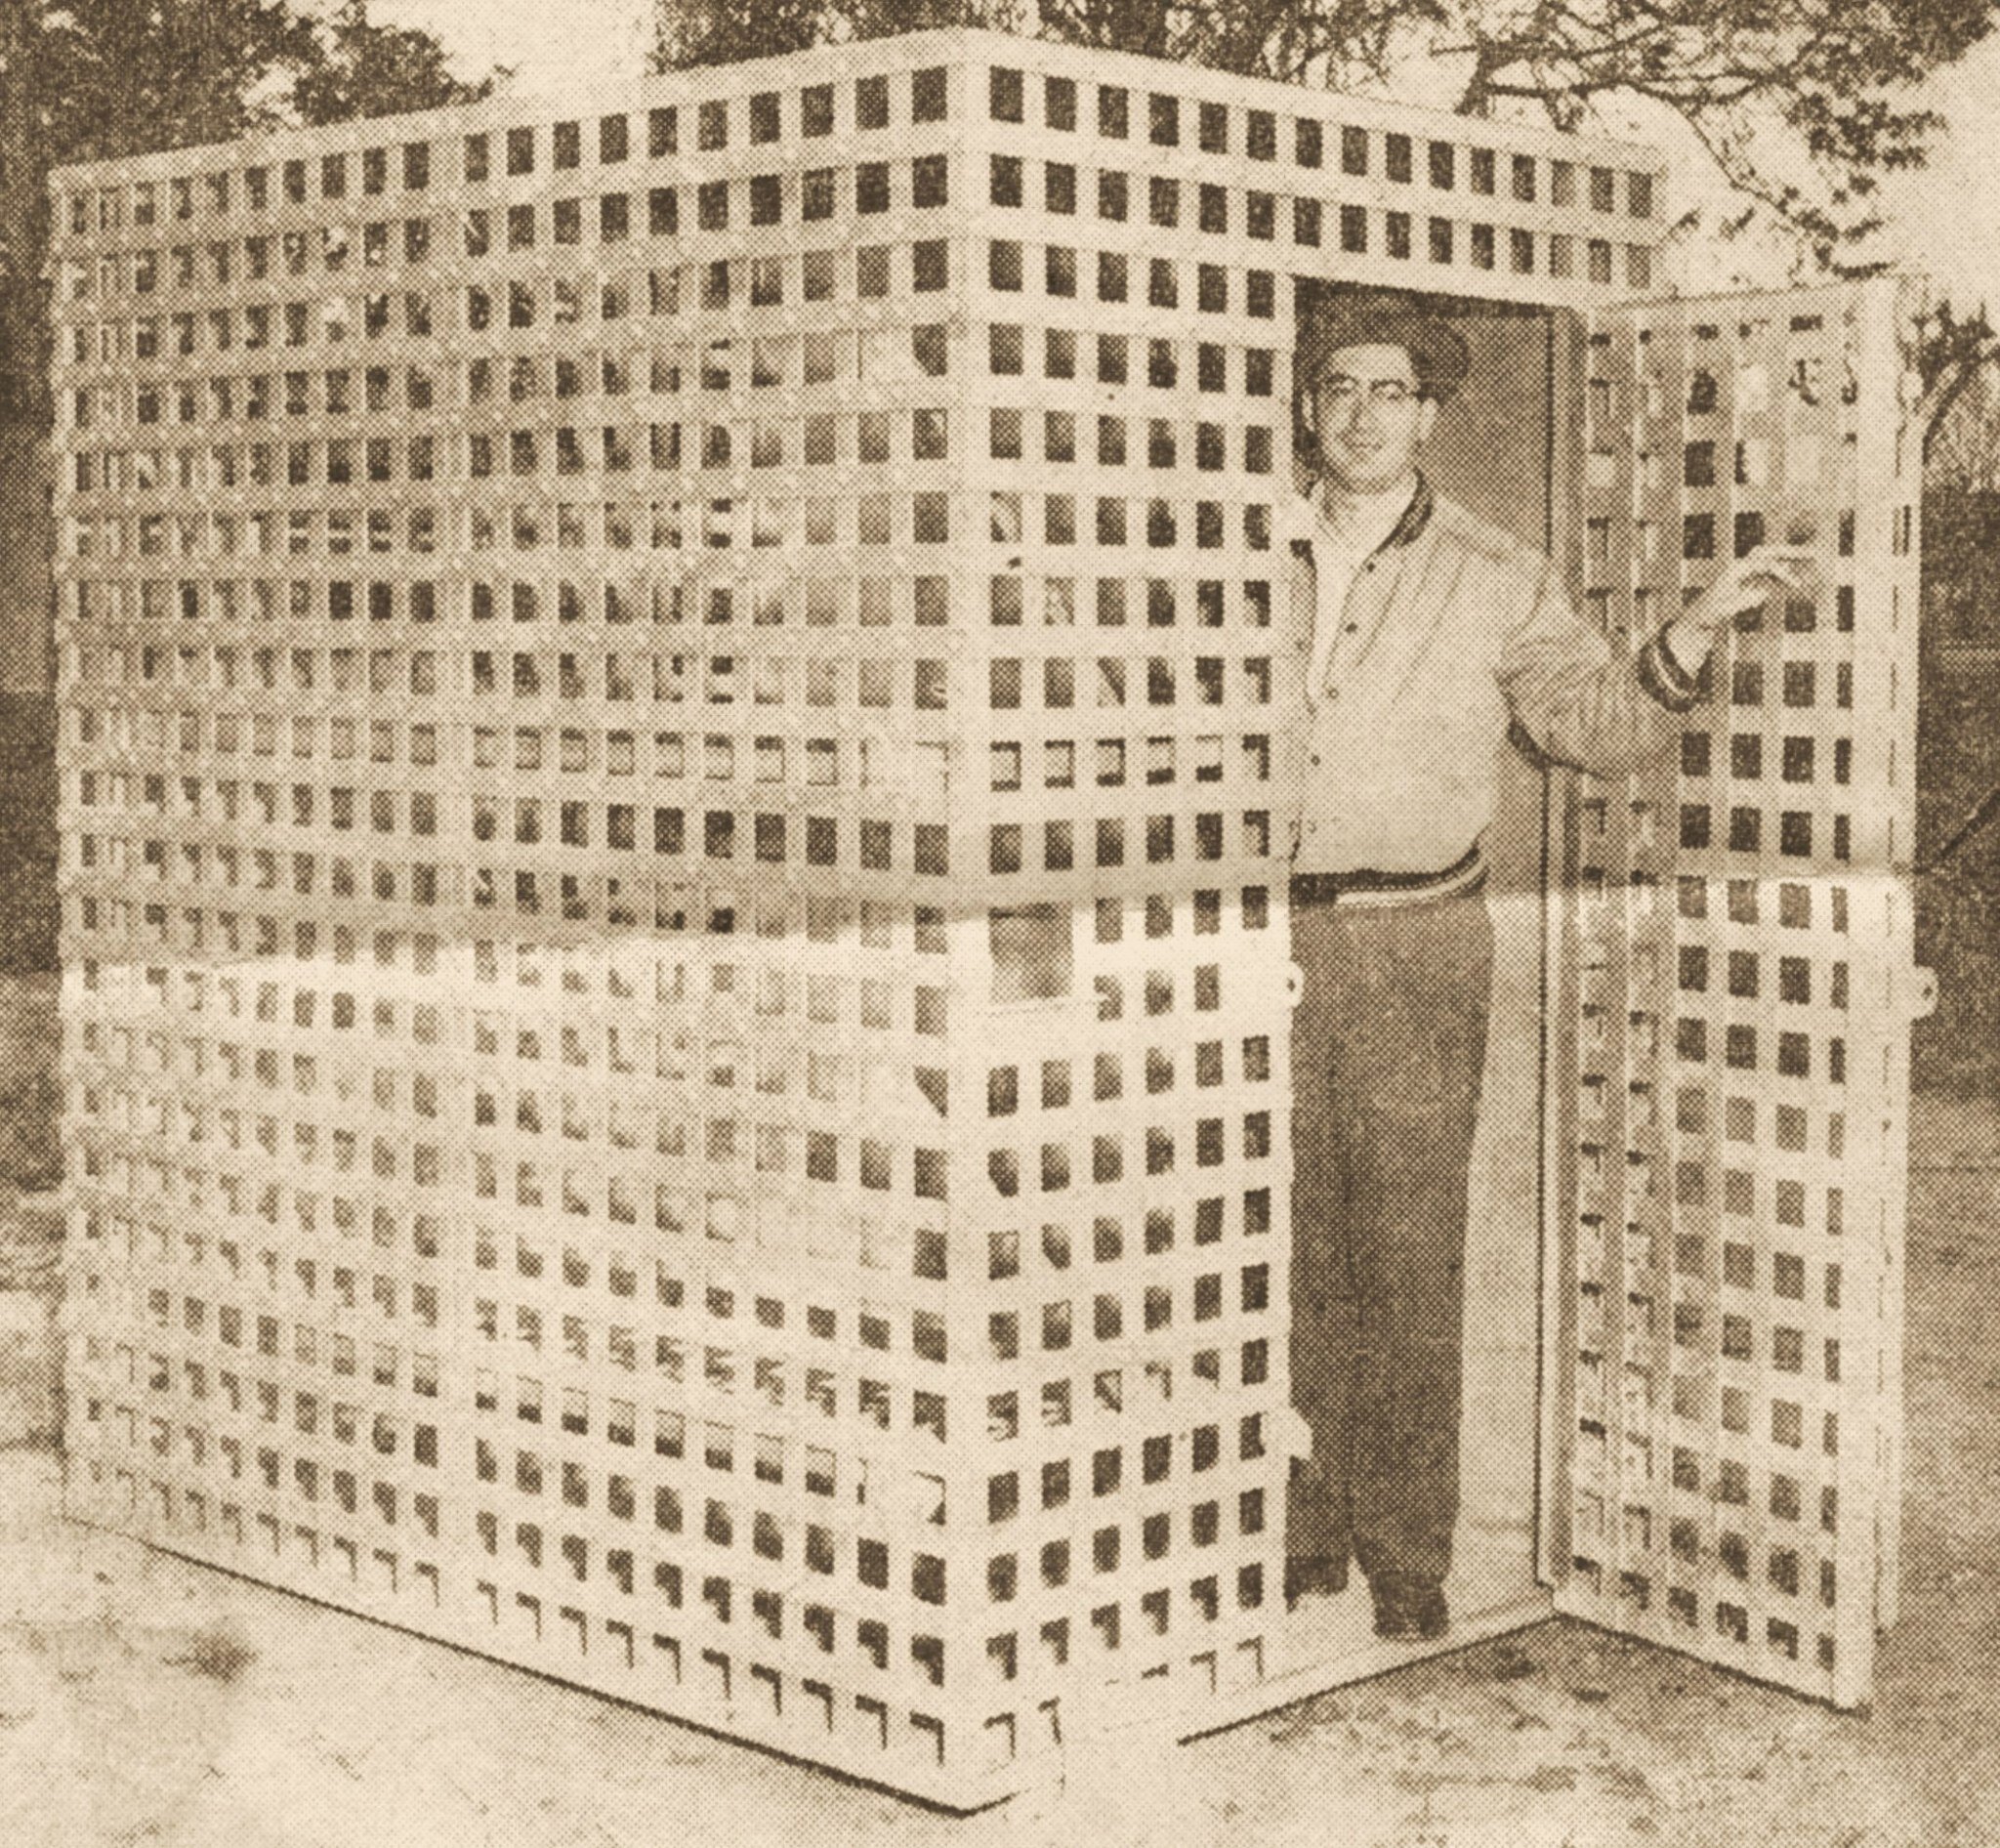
(677, 990)
(1741, 991)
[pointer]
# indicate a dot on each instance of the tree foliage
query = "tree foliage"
(365, 70)
(132, 76)
(129, 76)
(1952, 353)
(1802, 105)
(1964, 451)
(694, 33)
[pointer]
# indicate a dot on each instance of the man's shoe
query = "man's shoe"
(1409, 1609)
(1312, 1574)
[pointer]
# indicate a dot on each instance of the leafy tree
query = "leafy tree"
(1953, 356)
(23, 216)
(1964, 456)
(129, 77)
(695, 33)
(1800, 105)
(365, 69)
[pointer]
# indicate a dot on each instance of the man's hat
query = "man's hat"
(1438, 354)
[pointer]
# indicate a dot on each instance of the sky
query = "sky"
(1945, 220)
(1948, 216)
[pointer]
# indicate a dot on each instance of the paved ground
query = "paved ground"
(146, 1703)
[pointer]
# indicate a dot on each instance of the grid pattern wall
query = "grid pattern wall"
(1742, 997)
(675, 974)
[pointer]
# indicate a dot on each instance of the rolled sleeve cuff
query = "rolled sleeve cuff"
(1665, 680)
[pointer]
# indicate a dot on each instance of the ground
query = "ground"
(145, 1703)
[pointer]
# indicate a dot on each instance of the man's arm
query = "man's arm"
(1584, 706)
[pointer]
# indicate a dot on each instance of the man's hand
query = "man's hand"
(1748, 584)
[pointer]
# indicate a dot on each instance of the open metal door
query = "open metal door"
(1732, 990)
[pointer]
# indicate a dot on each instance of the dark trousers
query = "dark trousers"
(1389, 1043)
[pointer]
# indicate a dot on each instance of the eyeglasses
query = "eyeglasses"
(1344, 393)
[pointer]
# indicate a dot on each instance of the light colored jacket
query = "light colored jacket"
(1453, 632)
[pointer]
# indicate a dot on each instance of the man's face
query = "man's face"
(1371, 420)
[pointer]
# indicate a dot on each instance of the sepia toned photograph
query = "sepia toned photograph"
(1016, 922)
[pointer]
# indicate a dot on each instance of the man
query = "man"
(1431, 634)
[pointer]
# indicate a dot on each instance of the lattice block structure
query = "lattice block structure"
(676, 980)
(1739, 994)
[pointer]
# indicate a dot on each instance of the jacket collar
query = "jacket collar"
(1409, 527)
(1415, 517)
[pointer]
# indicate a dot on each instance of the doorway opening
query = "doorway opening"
(1496, 449)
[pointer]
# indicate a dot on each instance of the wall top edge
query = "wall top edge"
(962, 46)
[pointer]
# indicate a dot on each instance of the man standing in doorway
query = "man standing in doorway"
(1424, 635)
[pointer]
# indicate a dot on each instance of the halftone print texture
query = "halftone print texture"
(1738, 987)
(676, 990)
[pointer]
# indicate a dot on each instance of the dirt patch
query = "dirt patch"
(216, 1654)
